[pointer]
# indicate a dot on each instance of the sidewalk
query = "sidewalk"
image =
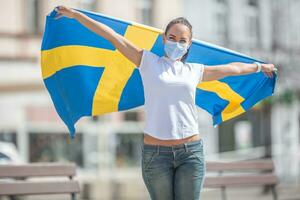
(243, 193)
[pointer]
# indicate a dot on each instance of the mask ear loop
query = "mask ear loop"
(187, 52)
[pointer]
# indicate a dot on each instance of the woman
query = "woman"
(173, 164)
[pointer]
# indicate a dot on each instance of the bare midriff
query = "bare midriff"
(155, 141)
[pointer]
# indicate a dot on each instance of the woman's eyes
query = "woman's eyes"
(181, 41)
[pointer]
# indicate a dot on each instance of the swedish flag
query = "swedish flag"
(87, 76)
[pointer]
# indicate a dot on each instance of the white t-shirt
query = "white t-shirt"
(169, 90)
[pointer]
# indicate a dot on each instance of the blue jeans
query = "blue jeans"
(174, 172)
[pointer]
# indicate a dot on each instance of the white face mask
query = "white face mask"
(175, 50)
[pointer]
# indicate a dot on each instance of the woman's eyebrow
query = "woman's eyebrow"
(172, 35)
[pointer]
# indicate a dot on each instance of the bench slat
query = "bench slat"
(36, 170)
(242, 180)
(240, 165)
(32, 188)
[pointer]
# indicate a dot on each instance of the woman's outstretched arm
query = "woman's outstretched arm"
(128, 49)
(235, 68)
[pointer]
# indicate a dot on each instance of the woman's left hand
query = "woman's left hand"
(268, 69)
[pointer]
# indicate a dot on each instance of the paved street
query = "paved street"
(251, 193)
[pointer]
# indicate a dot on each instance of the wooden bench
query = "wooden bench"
(263, 175)
(15, 179)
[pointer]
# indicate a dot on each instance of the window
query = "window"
(8, 136)
(56, 147)
(34, 16)
(243, 134)
(128, 149)
(8, 148)
(252, 23)
(253, 3)
(131, 116)
(221, 26)
(90, 5)
(222, 1)
(247, 127)
(145, 11)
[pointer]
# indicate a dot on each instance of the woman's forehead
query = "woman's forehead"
(179, 30)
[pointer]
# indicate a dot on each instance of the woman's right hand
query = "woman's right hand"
(64, 11)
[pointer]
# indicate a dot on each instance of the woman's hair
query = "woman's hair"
(184, 21)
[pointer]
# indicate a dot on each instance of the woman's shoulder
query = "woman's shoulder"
(197, 68)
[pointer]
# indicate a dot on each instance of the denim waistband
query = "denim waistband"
(173, 147)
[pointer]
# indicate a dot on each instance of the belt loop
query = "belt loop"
(157, 149)
(185, 147)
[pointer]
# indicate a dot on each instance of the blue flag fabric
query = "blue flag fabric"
(86, 75)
